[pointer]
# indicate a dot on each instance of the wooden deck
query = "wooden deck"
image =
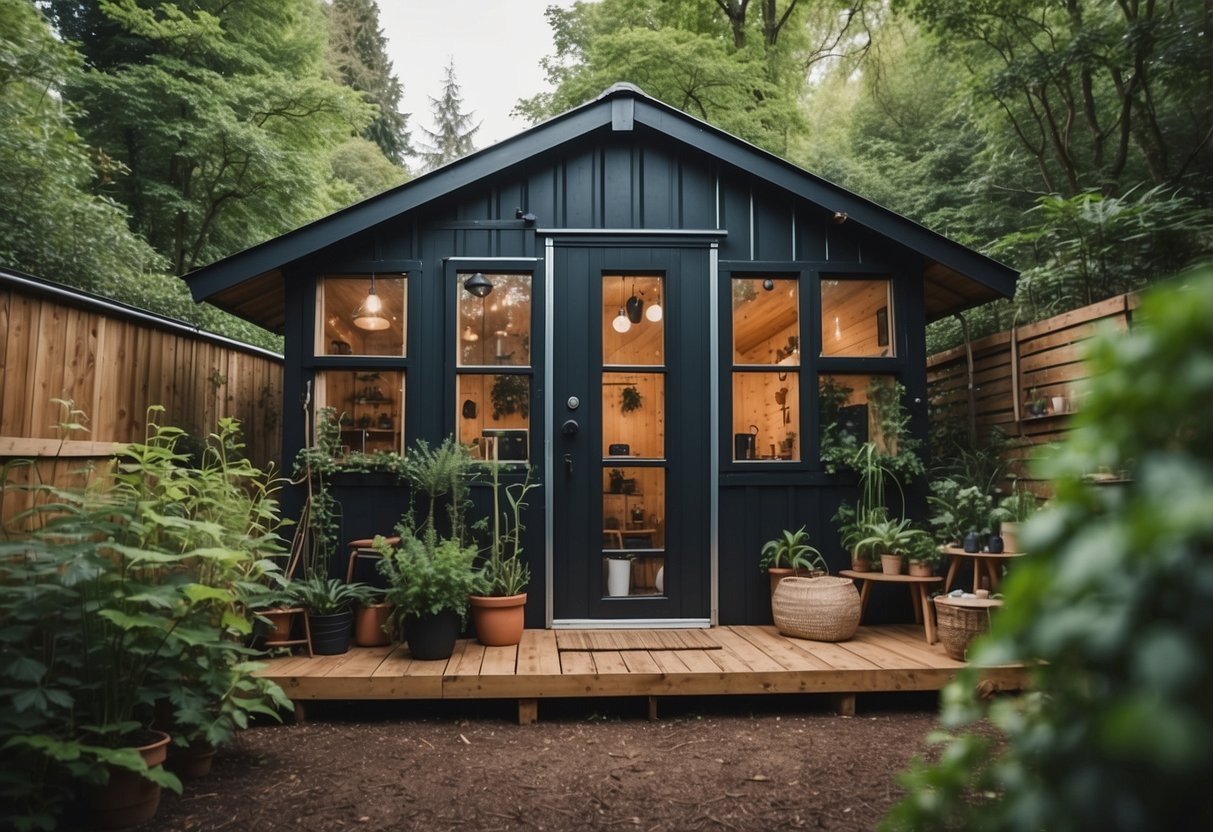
(652, 663)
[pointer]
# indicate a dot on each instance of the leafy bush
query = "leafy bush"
(1113, 608)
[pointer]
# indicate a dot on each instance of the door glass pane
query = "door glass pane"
(851, 409)
(495, 330)
(369, 405)
(633, 415)
(633, 531)
(856, 317)
(766, 416)
(354, 320)
(766, 324)
(494, 414)
(633, 320)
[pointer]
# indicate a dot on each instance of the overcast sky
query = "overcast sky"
(496, 46)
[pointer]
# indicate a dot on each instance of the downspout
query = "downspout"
(972, 396)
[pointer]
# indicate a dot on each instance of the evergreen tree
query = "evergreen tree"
(452, 137)
(358, 53)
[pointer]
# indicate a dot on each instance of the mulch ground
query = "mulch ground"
(706, 764)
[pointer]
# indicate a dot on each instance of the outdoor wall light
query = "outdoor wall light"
(478, 285)
(369, 315)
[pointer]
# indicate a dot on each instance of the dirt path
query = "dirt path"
(739, 764)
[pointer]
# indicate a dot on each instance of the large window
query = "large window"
(856, 317)
(766, 368)
(494, 375)
(359, 317)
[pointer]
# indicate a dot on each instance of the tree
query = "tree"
(358, 53)
(221, 113)
(453, 131)
(52, 220)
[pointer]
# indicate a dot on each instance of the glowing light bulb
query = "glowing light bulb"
(373, 304)
(621, 324)
(653, 313)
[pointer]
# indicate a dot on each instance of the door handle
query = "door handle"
(570, 427)
(568, 464)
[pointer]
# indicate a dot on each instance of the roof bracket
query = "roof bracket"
(623, 114)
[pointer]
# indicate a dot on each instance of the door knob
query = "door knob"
(570, 427)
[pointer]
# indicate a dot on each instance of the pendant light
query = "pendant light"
(653, 313)
(369, 315)
(622, 323)
(478, 285)
(635, 306)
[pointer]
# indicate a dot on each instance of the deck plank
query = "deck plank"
(749, 659)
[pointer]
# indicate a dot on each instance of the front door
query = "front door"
(630, 445)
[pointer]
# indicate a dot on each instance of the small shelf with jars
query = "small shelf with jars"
(372, 423)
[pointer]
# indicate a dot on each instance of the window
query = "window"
(766, 368)
(856, 317)
(854, 409)
(358, 317)
(493, 382)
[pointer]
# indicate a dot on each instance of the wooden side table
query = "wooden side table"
(924, 613)
(981, 561)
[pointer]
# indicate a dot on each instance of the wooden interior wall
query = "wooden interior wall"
(113, 368)
(1045, 356)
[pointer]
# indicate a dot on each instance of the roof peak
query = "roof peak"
(622, 87)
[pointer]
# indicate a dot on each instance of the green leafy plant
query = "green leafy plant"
(791, 550)
(629, 399)
(427, 574)
(957, 509)
(888, 537)
(511, 393)
(1111, 611)
(504, 571)
(1016, 507)
(922, 549)
(327, 596)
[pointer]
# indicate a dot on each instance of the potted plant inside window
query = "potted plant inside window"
(790, 554)
(499, 604)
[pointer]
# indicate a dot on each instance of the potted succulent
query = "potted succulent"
(499, 604)
(790, 554)
(889, 539)
(330, 611)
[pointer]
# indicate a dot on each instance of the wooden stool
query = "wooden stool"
(364, 548)
(288, 641)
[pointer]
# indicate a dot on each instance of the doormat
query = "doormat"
(569, 640)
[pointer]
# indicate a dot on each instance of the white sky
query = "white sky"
(496, 45)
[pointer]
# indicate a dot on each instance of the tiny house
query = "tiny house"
(648, 311)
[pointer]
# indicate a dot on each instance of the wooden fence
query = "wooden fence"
(1040, 361)
(113, 362)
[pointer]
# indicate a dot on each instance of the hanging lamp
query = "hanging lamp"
(370, 315)
(654, 311)
(622, 323)
(478, 285)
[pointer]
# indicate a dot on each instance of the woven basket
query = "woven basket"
(821, 609)
(960, 621)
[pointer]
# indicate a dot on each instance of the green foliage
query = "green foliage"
(453, 133)
(329, 596)
(630, 399)
(957, 509)
(222, 114)
(360, 164)
(791, 550)
(124, 593)
(510, 394)
(504, 572)
(1113, 610)
(892, 537)
(427, 574)
(1016, 507)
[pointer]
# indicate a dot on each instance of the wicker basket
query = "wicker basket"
(821, 609)
(960, 621)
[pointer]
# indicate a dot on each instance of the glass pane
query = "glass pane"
(856, 317)
(633, 320)
(633, 530)
(852, 409)
(370, 405)
(766, 416)
(494, 415)
(633, 415)
(495, 330)
(766, 324)
(353, 320)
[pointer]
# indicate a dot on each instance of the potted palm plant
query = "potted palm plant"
(499, 604)
(790, 554)
(889, 539)
(330, 611)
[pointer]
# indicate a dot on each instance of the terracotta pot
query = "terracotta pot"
(281, 624)
(890, 564)
(369, 625)
(193, 761)
(921, 570)
(498, 620)
(128, 799)
(777, 574)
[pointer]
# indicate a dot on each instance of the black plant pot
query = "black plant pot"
(994, 546)
(432, 636)
(331, 633)
(972, 543)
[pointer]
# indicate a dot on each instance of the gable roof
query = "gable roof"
(250, 283)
